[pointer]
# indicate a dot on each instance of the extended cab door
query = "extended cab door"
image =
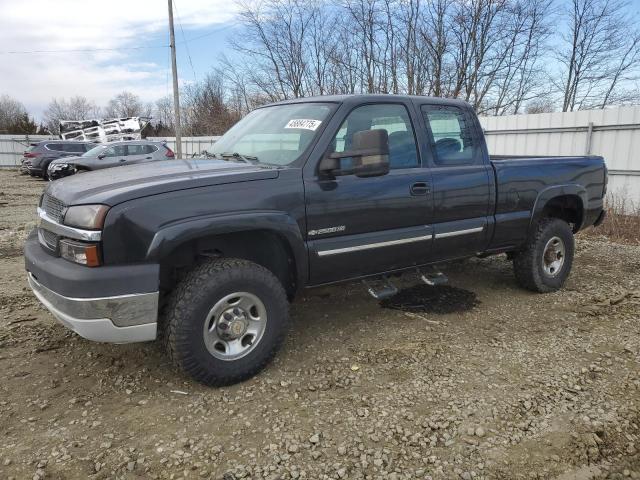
(359, 226)
(462, 181)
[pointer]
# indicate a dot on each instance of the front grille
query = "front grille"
(53, 207)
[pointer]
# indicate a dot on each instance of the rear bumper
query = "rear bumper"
(83, 315)
(107, 304)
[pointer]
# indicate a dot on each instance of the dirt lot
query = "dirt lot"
(491, 382)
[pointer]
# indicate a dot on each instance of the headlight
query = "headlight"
(78, 252)
(58, 166)
(86, 216)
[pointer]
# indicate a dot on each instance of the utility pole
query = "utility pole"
(176, 94)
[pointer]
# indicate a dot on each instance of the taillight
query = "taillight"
(169, 153)
(30, 155)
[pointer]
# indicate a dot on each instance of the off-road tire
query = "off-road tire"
(184, 313)
(527, 263)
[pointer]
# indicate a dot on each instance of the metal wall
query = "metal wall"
(613, 133)
(13, 146)
(190, 145)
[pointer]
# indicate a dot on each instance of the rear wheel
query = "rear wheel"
(545, 262)
(225, 321)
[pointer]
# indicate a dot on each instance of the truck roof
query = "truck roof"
(372, 98)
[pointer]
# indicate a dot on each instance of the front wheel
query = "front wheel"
(225, 321)
(545, 262)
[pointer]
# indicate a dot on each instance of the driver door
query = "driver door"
(360, 226)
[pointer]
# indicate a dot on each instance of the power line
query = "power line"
(116, 49)
(186, 44)
(79, 50)
(208, 34)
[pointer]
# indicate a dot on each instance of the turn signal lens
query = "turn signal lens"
(83, 253)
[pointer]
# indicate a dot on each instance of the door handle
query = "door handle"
(148, 158)
(420, 188)
(123, 160)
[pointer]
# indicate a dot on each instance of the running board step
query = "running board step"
(433, 278)
(380, 289)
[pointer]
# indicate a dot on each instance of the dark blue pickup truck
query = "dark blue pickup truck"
(206, 254)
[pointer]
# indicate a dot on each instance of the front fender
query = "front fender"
(172, 235)
(547, 194)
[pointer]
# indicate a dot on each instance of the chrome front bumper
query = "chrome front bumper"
(118, 319)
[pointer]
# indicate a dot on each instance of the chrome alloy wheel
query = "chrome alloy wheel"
(235, 326)
(553, 256)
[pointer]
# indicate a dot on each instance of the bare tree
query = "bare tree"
(126, 104)
(76, 108)
(540, 105)
(163, 116)
(599, 53)
(492, 53)
(520, 77)
(204, 107)
(11, 111)
(274, 45)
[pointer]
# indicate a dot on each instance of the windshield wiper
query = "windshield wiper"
(245, 158)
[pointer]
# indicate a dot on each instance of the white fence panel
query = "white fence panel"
(613, 133)
(13, 146)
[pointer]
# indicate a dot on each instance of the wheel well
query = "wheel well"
(566, 207)
(263, 247)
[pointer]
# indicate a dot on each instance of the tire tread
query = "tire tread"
(525, 262)
(177, 312)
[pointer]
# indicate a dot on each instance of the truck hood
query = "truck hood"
(115, 185)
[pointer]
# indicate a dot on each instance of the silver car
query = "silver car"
(107, 155)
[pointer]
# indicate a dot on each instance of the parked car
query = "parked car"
(302, 193)
(39, 155)
(112, 154)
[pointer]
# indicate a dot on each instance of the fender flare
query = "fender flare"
(172, 235)
(549, 193)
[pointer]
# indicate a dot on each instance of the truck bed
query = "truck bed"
(521, 186)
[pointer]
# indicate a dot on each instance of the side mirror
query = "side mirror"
(370, 154)
(101, 156)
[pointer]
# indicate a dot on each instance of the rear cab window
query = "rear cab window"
(452, 135)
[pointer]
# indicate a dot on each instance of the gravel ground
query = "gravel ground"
(487, 381)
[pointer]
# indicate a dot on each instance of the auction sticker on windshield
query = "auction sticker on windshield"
(303, 123)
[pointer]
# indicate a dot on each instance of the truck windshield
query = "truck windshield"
(275, 135)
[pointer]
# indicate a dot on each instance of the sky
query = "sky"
(136, 30)
(133, 38)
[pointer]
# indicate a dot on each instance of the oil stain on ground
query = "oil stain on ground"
(438, 299)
